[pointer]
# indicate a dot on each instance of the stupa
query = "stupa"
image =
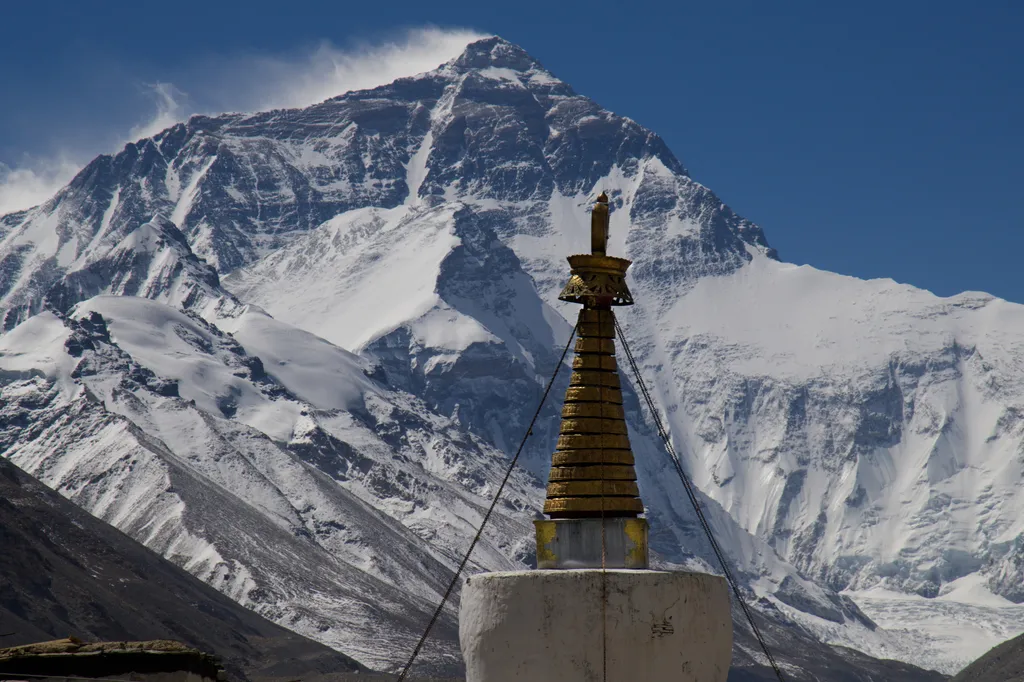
(593, 611)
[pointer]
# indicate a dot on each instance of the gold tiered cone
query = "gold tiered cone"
(592, 498)
(592, 469)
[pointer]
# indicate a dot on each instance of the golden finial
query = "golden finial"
(599, 226)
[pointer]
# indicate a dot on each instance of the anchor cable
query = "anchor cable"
(490, 510)
(692, 495)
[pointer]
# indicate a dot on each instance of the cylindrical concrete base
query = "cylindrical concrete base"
(546, 626)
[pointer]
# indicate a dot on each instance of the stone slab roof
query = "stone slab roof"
(71, 656)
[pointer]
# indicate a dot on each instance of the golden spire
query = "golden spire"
(592, 468)
(592, 474)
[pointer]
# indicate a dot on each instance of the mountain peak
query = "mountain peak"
(496, 52)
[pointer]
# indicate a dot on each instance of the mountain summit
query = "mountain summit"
(490, 124)
(498, 53)
(334, 324)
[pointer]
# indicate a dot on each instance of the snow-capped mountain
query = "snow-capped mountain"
(308, 338)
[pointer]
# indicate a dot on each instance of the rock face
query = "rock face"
(65, 572)
(846, 435)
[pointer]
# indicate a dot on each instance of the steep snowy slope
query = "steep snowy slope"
(95, 237)
(454, 318)
(318, 518)
(854, 419)
(863, 431)
(65, 572)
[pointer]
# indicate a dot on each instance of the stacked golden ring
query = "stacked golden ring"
(592, 470)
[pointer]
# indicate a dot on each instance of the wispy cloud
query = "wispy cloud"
(170, 109)
(327, 71)
(34, 181)
(243, 82)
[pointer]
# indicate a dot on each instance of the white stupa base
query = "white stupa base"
(546, 626)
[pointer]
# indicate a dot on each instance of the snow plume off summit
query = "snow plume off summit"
(291, 351)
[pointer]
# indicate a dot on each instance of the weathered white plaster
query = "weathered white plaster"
(545, 626)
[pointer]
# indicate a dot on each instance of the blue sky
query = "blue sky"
(873, 139)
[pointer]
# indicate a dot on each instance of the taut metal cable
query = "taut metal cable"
(490, 510)
(692, 495)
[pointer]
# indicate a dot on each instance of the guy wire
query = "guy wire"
(487, 516)
(691, 494)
